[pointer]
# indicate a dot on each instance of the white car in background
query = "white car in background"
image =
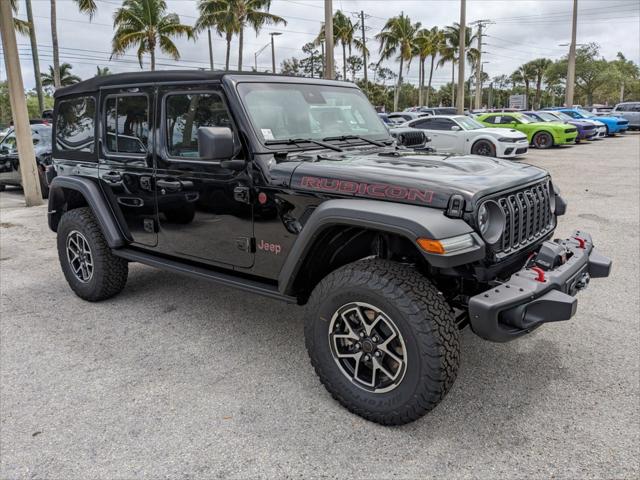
(463, 135)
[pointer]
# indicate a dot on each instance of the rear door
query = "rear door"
(204, 209)
(439, 129)
(125, 163)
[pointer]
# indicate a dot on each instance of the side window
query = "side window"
(185, 113)
(75, 125)
(127, 124)
(635, 107)
(491, 120)
(571, 114)
(441, 124)
(424, 124)
(507, 119)
(622, 108)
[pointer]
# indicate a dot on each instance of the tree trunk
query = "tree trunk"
(526, 95)
(210, 49)
(34, 56)
(226, 62)
(433, 58)
(622, 92)
(453, 84)
(152, 49)
(396, 96)
(344, 62)
(54, 42)
(421, 82)
(240, 45)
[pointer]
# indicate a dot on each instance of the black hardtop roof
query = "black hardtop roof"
(159, 76)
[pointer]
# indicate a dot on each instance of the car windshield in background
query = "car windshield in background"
(584, 113)
(469, 123)
(547, 117)
(525, 119)
(562, 115)
(283, 111)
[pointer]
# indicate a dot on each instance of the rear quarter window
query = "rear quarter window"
(75, 126)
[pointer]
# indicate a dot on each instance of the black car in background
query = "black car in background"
(9, 161)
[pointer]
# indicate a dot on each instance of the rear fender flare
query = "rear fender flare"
(91, 192)
(409, 221)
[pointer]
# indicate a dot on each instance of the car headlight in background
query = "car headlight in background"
(508, 140)
(491, 221)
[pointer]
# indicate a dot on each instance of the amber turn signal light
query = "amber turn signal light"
(431, 246)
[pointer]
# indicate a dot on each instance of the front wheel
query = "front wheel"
(484, 148)
(383, 340)
(543, 140)
(93, 272)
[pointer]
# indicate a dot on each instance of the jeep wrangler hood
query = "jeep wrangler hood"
(412, 177)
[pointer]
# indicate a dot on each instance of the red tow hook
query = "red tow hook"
(540, 272)
(581, 241)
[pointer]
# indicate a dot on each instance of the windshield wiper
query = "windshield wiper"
(342, 138)
(295, 141)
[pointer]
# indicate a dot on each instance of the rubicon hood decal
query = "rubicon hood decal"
(363, 189)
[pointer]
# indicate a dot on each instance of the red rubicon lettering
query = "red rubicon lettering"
(363, 189)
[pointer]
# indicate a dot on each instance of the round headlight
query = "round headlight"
(491, 221)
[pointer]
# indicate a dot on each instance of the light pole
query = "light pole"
(461, 59)
(273, 51)
(571, 67)
(257, 54)
(328, 39)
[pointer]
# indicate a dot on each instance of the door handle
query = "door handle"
(112, 177)
(170, 185)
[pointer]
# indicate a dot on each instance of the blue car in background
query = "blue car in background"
(613, 124)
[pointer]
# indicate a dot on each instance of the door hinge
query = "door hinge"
(244, 244)
(241, 194)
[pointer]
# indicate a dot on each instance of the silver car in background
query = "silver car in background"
(630, 111)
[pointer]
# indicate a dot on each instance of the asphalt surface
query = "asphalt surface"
(184, 379)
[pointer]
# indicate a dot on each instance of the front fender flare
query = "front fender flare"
(95, 200)
(410, 221)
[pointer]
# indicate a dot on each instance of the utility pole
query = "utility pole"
(328, 39)
(273, 51)
(210, 49)
(26, 155)
(571, 68)
(34, 56)
(364, 48)
(461, 58)
(481, 24)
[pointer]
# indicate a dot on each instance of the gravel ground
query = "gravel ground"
(180, 378)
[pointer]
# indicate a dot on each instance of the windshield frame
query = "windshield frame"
(383, 136)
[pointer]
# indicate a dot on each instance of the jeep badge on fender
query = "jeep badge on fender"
(293, 188)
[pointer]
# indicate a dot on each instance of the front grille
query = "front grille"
(411, 139)
(528, 217)
(588, 127)
(570, 130)
(521, 150)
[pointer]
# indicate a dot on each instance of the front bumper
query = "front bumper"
(510, 150)
(526, 301)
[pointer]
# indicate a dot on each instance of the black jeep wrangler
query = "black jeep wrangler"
(293, 188)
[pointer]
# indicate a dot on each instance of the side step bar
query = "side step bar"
(248, 285)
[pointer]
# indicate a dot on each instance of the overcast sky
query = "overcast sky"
(522, 30)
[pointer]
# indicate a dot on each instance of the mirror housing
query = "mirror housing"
(455, 128)
(216, 143)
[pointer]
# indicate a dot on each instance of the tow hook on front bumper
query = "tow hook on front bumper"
(539, 293)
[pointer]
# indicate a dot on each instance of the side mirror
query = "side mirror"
(215, 143)
(455, 128)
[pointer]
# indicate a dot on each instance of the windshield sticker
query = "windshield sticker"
(267, 134)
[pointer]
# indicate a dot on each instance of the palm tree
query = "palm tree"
(147, 25)
(255, 14)
(428, 43)
(344, 32)
(64, 74)
(450, 51)
(219, 15)
(524, 74)
(396, 39)
(84, 6)
(20, 26)
(539, 68)
(102, 71)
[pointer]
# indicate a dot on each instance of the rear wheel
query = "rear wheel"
(383, 341)
(93, 272)
(483, 147)
(543, 140)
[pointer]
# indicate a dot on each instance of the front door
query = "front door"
(126, 160)
(203, 209)
(443, 139)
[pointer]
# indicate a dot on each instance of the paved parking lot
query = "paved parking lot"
(180, 378)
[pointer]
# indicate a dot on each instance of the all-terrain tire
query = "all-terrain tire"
(423, 318)
(109, 274)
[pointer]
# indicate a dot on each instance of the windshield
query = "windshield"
(562, 116)
(524, 119)
(547, 117)
(585, 114)
(469, 123)
(281, 111)
(39, 136)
